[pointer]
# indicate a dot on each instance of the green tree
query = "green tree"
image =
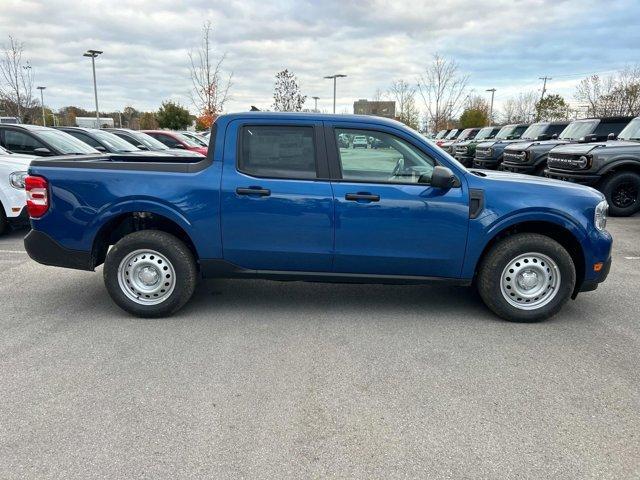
(173, 116)
(552, 107)
(286, 94)
(474, 117)
(148, 121)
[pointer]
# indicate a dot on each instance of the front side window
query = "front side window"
(167, 140)
(84, 138)
(277, 152)
(385, 159)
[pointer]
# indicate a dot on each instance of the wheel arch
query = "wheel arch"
(561, 232)
(625, 165)
(122, 224)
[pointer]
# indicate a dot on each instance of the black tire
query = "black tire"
(505, 251)
(181, 261)
(622, 191)
(4, 224)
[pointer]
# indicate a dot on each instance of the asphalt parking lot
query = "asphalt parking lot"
(257, 379)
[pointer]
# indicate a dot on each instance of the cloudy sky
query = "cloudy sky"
(503, 44)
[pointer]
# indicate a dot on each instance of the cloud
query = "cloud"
(501, 44)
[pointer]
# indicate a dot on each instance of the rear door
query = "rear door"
(388, 219)
(277, 202)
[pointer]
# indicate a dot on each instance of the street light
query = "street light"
(44, 121)
(316, 104)
(493, 91)
(93, 54)
(339, 75)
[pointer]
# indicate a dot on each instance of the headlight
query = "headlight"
(16, 179)
(490, 151)
(600, 216)
(583, 162)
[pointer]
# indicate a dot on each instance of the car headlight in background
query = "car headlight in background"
(600, 217)
(16, 179)
(583, 162)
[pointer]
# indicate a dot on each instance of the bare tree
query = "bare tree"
(378, 95)
(442, 88)
(520, 109)
(286, 94)
(16, 90)
(404, 95)
(592, 91)
(210, 90)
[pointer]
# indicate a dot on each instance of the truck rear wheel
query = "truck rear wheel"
(526, 277)
(150, 273)
(622, 191)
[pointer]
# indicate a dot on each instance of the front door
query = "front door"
(388, 219)
(277, 211)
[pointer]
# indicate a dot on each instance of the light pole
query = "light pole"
(44, 120)
(93, 54)
(493, 91)
(336, 76)
(316, 103)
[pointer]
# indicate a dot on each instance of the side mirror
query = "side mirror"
(179, 145)
(612, 136)
(442, 177)
(554, 136)
(141, 147)
(100, 148)
(42, 151)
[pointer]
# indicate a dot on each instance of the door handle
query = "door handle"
(354, 197)
(261, 192)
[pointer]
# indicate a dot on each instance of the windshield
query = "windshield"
(631, 131)
(195, 138)
(484, 133)
(452, 134)
(534, 131)
(441, 134)
(147, 141)
(114, 142)
(185, 139)
(577, 130)
(65, 143)
(468, 133)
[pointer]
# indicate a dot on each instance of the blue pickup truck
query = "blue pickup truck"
(287, 197)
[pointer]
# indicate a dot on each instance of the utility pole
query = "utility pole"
(44, 120)
(493, 91)
(334, 77)
(315, 108)
(93, 54)
(120, 119)
(544, 85)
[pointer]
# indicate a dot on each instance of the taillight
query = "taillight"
(37, 189)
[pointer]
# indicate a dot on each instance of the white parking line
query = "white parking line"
(632, 258)
(12, 251)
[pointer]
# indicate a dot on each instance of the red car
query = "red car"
(176, 140)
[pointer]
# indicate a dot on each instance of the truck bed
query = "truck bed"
(111, 161)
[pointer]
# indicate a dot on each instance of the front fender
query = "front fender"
(483, 230)
(619, 163)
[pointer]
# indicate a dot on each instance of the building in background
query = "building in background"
(378, 108)
(90, 122)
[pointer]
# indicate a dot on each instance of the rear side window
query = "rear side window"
(277, 152)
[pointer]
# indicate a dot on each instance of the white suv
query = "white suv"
(13, 169)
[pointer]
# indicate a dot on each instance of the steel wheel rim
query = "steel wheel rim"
(146, 277)
(530, 281)
(625, 195)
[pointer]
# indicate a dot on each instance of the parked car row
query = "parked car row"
(600, 152)
(21, 143)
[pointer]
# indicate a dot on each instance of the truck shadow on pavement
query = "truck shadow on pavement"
(257, 297)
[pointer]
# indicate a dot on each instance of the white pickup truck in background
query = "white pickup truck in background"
(13, 169)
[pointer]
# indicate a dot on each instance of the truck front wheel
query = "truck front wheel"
(526, 277)
(150, 273)
(622, 191)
